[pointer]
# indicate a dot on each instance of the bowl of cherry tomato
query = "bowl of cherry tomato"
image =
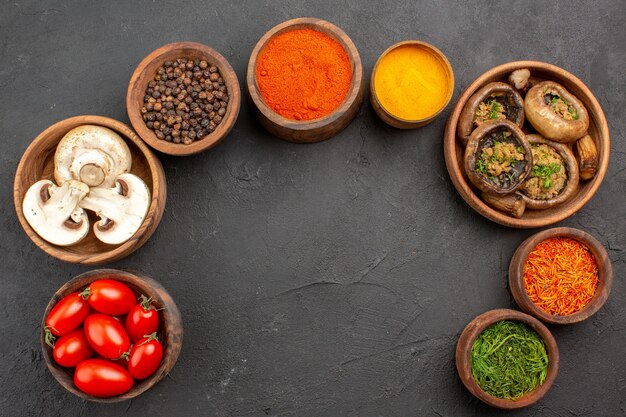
(109, 335)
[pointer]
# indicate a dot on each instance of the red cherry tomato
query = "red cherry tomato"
(106, 335)
(65, 316)
(110, 297)
(142, 320)
(72, 348)
(145, 357)
(102, 378)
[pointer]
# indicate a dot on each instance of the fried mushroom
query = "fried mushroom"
(497, 157)
(495, 101)
(556, 113)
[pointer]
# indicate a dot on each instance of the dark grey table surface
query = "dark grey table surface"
(314, 280)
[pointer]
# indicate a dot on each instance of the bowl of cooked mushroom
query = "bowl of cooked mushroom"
(88, 190)
(527, 144)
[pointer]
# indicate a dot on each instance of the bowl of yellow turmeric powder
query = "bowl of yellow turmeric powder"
(412, 82)
(305, 80)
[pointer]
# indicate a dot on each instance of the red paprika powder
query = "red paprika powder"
(303, 74)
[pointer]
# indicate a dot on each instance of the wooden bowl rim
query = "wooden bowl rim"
(355, 83)
(439, 55)
(171, 318)
(475, 328)
(150, 223)
(135, 91)
(455, 170)
(516, 275)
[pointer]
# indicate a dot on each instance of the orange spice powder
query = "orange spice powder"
(560, 276)
(303, 74)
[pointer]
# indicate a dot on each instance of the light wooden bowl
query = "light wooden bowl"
(38, 163)
(598, 129)
(316, 130)
(170, 333)
(399, 122)
(471, 333)
(144, 73)
(605, 275)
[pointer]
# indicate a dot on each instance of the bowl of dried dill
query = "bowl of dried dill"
(561, 275)
(507, 359)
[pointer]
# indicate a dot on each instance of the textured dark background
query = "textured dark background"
(314, 280)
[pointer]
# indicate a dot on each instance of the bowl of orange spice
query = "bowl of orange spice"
(305, 80)
(561, 275)
(411, 84)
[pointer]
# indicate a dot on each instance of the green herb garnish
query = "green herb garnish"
(545, 172)
(511, 177)
(573, 112)
(509, 360)
(495, 109)
(480, 166)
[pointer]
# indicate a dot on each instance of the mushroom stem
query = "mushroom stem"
(587, 156)
(511, 204)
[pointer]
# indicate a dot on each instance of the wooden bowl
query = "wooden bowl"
(605, 275)
(471, 333)
(316, 130)
(399, 122)
(145, 72)
(598, 129)
(38, 163)
(170, 333)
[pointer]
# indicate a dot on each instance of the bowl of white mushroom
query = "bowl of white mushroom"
(88, 190)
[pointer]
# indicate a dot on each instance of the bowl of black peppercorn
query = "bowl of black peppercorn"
(183, 98)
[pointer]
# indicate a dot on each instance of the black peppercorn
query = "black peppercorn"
(185, 100)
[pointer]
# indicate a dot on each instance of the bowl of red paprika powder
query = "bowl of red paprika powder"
(305, 80)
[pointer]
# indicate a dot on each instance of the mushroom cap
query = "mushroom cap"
(465, 125)
(572, 175)
(122, 209)
(91, 154)
(473, 149)
(53, 211)
(550, 125)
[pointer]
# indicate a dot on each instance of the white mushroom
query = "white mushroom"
(92, 154)
(121, 209)
(53, 211)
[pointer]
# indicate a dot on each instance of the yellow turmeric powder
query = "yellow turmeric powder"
(411, 82)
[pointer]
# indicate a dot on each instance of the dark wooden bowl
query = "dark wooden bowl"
(170, 334)
(598, 129)
(315, 130)
(605, 275)
(38, 163)
(471, 333)
(399, 122)
(145, 72)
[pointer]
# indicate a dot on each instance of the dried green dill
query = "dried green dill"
(509, 360)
